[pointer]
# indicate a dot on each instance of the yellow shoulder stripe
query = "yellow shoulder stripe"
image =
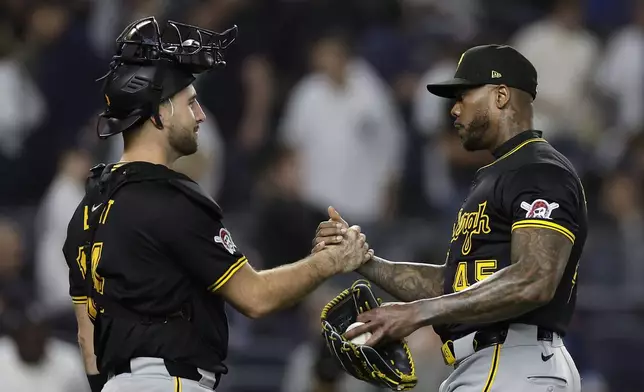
(228, 274)
(546, 225)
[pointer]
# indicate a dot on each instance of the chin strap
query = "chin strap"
(156, 91)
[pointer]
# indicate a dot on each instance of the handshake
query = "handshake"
(347, 248)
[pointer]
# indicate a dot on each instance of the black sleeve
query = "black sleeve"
(202, 244)
(543, 195)
(74, 258)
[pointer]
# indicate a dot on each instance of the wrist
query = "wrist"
(325, 263)
(364, 268)
(423, 313)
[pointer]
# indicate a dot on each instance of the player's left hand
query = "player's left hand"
(391, 321)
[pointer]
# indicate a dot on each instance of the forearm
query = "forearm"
(505, 294)
(405, 281)
(86, 339)
(286, 285)
(539, 257)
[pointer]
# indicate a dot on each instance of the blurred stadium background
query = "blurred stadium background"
(322, 103)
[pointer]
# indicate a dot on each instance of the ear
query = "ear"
(503, 93)
(163, 113)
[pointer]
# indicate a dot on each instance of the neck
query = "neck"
(151, 154)
(510, 130)
(149, 146)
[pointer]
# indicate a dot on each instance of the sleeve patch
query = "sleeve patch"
(539, 208)
(224, 238)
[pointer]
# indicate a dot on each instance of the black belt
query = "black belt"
(495, 335)
(487, 337)
(175, 369)
(115, 309)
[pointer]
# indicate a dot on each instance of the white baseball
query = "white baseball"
(360, 339)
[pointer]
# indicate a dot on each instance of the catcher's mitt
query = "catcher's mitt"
(389, 365)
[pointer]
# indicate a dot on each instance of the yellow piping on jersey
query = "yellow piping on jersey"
(544, 225)
(493, 368)
(228, 274)
(515, 149)
(79, 300)
(177, 385)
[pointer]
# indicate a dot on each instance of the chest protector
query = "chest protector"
(101, 186)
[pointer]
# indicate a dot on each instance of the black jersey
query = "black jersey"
(530, 184)
(159, 254)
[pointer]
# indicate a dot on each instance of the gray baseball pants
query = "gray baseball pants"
(151, 375)
(521, 363)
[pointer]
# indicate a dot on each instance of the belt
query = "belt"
(482, 339)
(175, 369)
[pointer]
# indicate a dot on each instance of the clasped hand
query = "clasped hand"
(391, 321)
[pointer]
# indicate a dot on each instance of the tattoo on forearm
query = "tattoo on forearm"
(405, 281)
(539, 257)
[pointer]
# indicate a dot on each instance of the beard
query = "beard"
(183, 140)
(472, 135)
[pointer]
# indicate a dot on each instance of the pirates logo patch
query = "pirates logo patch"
(226, 241)
(539, 209)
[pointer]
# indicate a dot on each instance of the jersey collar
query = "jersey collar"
(515, 141)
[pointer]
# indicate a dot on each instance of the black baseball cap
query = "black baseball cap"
(489, 64)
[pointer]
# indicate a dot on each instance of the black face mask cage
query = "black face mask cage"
(191, 47)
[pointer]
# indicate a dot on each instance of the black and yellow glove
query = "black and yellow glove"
(390, 365)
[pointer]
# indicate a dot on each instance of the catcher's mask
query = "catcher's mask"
(151, 65)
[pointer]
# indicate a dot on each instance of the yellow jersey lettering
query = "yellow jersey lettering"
(86, 218)
(460, 278)
(98, 281)
(81, 260)
(484, 268)
(106, 211)
(470, 223)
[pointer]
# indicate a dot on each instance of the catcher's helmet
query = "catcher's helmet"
(151, 66)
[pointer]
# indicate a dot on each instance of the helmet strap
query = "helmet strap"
(156, 91)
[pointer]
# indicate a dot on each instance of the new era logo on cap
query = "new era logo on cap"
(489, 64)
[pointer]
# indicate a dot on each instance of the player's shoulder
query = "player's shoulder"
(540, 157)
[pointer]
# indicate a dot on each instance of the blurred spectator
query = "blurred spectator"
(342, 121)
(18, 92)
(34, 361)
(565, 55)
(280, 200)
(623, 204)
(64, 193)
(620, 74)
(14, 293)
(285, 225)
(620, 80)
